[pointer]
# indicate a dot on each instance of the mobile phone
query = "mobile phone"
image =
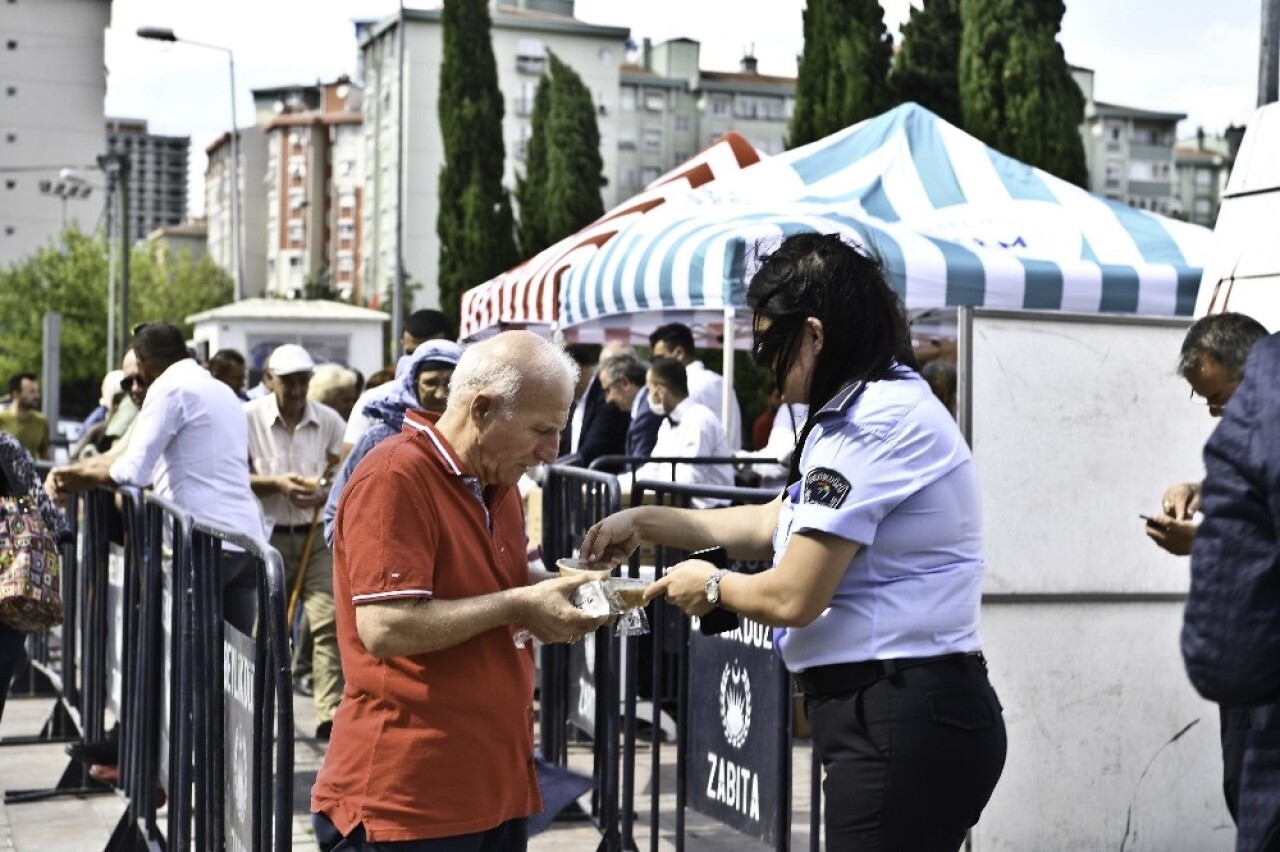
(719, 620)
(1152, 522)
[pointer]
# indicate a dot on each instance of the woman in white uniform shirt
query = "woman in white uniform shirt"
(877, 550)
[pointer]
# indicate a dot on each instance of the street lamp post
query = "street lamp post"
(237, 242)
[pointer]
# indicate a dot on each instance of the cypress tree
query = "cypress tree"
(1016, 91)
(531, 186)
(574, 165)
(926, 69)
(844, 70)
(475, 226)
(560, 191)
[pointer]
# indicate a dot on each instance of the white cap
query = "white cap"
(290, 358)
(111, 387)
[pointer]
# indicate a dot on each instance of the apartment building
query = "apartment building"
(52, 88)
(253, 203)
(157, 183)
(1129, 151)
(314, 179)
(401, 122)
(669, 108)
(1203, 165)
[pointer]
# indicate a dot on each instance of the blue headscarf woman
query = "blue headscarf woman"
(423, 383)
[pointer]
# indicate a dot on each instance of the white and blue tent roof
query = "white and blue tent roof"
(956, 222)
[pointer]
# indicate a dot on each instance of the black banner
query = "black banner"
(737, 707)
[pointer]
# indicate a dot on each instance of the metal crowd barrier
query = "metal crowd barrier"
(731, 695)
(70, 660)
(143, 642)
(575, 684)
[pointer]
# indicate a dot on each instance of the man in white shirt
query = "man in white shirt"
(675, 340)
(294, 444)
(190, 442)
(690, 430)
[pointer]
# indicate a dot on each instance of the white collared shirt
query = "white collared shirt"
(696, 433)
(707, 387)
(305, 450)
(190, 441)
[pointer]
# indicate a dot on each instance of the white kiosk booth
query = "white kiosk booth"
(330, 331)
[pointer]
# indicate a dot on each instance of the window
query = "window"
(1204, 177)
(347, 200)
(654, 100)
(721, 104)
(346, 230)
(627, 99)
(682, 124)
(295, 262)
(628, 178)
(652, 139)
(346, 264)
(680, 157)
(626, 141)
(530, 56)
(649, 174)
(1203, 207)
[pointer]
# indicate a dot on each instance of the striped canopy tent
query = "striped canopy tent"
(527, 296)
(956, 222)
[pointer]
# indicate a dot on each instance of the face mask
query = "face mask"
(657, 407)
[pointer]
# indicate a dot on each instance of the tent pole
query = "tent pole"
(726, 398)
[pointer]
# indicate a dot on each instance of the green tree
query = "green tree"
(926, 67)
(1016, 90)
(560, 193)
(844, 69)
(475, 226)
(532, 184)
(70, 277)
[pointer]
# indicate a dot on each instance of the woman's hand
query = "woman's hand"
(685, 586)
(613, 540)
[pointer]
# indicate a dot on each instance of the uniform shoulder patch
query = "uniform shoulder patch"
(825, 487)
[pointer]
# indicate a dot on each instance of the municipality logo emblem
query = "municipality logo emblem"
(735, 704)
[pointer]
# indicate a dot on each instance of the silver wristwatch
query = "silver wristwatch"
(712, 588)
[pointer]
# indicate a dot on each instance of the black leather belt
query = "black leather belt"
(850, 677)
(292, 530)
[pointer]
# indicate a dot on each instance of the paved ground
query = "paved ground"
(70, 824)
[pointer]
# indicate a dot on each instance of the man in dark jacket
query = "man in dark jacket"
(1231, 632)
(595, 428)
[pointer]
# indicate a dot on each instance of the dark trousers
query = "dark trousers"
(511, 836)
(911, 759)
(11, 645)
(239, 590)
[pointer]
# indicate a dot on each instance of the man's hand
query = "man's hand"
(549, 615)
(1172, 534)
(300, 491)
(1181, 501)
(62, 482)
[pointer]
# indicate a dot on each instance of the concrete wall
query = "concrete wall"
(1078, 424)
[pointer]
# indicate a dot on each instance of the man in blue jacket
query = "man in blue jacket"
(1231, 632)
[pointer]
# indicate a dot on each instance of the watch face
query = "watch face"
(712, 588)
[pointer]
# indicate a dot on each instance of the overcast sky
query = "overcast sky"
(1184, 56)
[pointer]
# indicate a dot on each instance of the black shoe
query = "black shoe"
(323, 730)
(104, 751)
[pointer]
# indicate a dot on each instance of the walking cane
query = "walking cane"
(296, 591)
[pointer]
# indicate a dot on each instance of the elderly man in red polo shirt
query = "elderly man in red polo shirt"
(432, 744)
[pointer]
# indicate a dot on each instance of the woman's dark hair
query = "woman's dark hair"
(844, 288)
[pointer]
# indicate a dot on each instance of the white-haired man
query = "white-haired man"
(432, 589)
